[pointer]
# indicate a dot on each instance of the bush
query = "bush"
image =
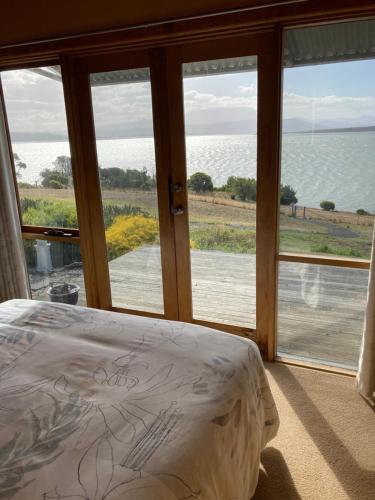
(327, 205)
(130, 232)
(242, 188)
(56, 184)
(200, 182)
(223, 238)
(117, 178)
(287, 195)
(27, 203)
(347, 252)
(361, 211)
(54, 180)
(49, 213)
(245, 189)
(110, 212)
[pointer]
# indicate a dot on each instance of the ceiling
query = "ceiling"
(25, 20)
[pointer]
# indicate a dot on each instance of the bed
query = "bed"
(98, 405)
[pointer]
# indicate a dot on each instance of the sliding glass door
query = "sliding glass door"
(122, 108)
(230, 100)
(327, 191)
(167, 150)
(120, 170)
(165, 183)
(220, 102)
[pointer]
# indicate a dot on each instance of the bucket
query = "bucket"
(66, 293)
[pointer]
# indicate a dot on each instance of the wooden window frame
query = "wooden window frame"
(30, 232)
(170, 36)
(316, 259)
(75, 73)
(261, 44)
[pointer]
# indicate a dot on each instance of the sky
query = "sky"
(321, 96)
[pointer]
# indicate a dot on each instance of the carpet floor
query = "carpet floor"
(325, 448)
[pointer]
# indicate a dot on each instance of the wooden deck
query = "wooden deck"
(321, 308)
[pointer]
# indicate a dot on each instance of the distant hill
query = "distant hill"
(38, 137)
(140, 130)
(346, 129)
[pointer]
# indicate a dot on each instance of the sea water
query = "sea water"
(336, 166)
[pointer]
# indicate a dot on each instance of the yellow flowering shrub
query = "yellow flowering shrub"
(129, 232)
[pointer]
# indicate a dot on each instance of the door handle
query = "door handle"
(176, 188)
(179, 210)
(57, 232)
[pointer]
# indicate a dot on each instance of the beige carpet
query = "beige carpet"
(325, 448)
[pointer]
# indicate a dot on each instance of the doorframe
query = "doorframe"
(76, 71)
(267, 46)
(165, 65)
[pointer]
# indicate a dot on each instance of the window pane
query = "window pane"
(125, 148)
(55, 271)
(35, 108)
(220, 99)
(328, 143)
(321, 312)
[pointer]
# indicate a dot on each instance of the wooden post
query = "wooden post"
(174, 113)
(86, 183)
(269, 129)
(163, 176)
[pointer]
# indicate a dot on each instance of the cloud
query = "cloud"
(36, 104)
(326, 107)
(197, 101)
(130, 103)
(248, 90)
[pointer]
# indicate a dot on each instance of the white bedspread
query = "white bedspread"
(97, 405)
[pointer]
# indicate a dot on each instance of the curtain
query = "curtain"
(366, 372)
(14, 281)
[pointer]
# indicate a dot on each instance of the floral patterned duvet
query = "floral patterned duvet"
(96, 405)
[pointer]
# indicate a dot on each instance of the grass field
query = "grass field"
(219, 223)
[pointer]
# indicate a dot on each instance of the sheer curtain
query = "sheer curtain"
(13, 273)
(366, 373)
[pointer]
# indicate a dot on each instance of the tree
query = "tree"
(138, 179)
(362, 211)
(287, 195)
(63, 165)
(117, 178)
(231, 182)
(327, 205)
(245, 189)
(18, 165)
(112, 178)
(60, 177)
(53, 179)
(200, 182)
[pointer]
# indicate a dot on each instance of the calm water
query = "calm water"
(335, 166)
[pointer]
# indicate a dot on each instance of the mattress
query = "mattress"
(101, 405)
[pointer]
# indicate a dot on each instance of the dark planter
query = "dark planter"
(66, 293)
